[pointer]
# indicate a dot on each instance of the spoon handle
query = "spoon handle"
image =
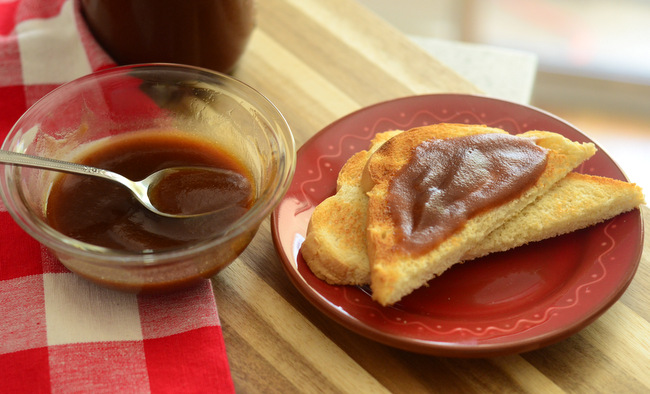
(45, 163)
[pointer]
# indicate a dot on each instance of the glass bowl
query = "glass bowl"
(93, 109)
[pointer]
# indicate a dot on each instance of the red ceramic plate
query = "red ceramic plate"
(504, 303)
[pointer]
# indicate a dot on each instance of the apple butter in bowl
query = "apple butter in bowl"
(136, 120)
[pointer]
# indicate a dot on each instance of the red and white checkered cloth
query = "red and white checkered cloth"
(59, 333)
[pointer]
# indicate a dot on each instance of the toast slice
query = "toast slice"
(573, 203)
(396, 271)
(335, 243)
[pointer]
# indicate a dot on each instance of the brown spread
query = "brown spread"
(100, 212)
(447, 182)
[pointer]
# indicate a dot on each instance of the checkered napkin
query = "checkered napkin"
(58, 332)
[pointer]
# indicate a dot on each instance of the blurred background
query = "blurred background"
(586, 61)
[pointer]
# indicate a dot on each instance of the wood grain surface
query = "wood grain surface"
(319, 60)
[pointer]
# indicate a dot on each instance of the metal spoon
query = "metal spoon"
(139, 189)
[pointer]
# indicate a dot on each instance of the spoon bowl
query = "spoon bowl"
(142, 190)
